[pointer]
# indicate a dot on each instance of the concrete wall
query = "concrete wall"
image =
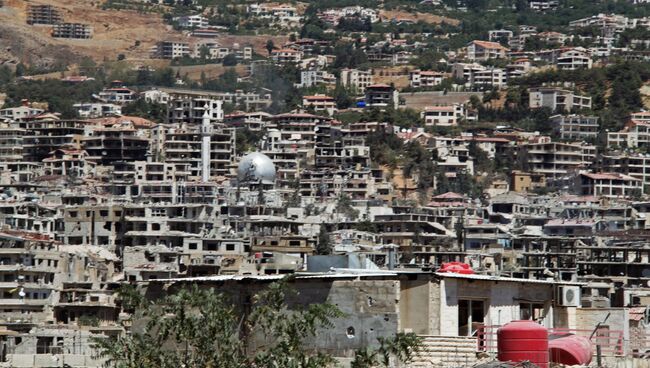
(414, 306)
(371, 308)
(501, 299)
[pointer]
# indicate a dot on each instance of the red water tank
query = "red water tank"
(456, 267)
(570, 350)
(520, 341)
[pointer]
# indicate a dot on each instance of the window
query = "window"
(531, 311)
(230, 247)
(103, 213)
(471, 316)
(192, 246)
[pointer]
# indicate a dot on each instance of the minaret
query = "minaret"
(206, 135)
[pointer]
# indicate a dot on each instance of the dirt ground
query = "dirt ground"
(126, 32)
(425, 17)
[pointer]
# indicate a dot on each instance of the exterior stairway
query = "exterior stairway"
(446, 351)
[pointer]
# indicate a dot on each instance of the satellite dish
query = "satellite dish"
(21, 293)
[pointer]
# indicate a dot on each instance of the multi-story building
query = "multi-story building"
(192, 21)
(191, 109)
(573, 59)
(381, 95)
(465, 71)
(117, 95)
(20, 112)
(355, 79)
(11, 142)
(182, 146)
(72, 30)
(635, 134)
(43, 14)
(485, 50)
(557, 160)
(636, 165)
(574, 127)
(171, 50)
(425, 78)
(246, 100)
(107, 145)
(319, 104)
(309, 78)
(286, 56)
(608, 185)
(543, 5)
(444, 115)
(557, 99)
(97, 110)
(488, 78)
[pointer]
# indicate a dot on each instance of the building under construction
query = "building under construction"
(43, 14)
(72, 30)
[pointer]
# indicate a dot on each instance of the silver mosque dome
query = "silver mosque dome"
(256, 167)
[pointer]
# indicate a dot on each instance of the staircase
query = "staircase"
(445, 352)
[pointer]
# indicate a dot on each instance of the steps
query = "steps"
(445, 352)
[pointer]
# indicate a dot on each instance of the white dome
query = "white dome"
(256, 167)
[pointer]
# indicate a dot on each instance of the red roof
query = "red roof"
(449, 195)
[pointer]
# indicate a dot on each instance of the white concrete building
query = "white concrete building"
(96, 110)
(356, 80)
(608, 185)
(425, 78)
(557, 99)
(192, 21)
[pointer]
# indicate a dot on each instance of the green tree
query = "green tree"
(323, 244)
(202, 328)
(270, 46)
(229, 60)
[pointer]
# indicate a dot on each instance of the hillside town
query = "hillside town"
(438, 168)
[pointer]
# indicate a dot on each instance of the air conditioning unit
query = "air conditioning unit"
(568, 296)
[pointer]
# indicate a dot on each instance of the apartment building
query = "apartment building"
(171, 50)
(381, 96)
(117, 95)
(557, 99)
(500, 35)
(485, 50)
(309, 78)
(286, 56)
(574, 59)
(543, 5)
(107, 145)
(613, 185)
(635, 134)
(443, 115)
(465, 71)
(182, 147)
(355, 79)
(43, 14)
(11, 142)
(488, 78)
(320, 104)
(192, 109)
(72, 30)
(557, 160)
(192, 21)
(20, 112)
(576, 127)
(97, 110)
(636, 165)
(425, 78)
(247, 100)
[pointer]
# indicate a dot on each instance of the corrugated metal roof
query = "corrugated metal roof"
(506, 279)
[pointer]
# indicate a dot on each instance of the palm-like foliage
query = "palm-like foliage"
(197, 328)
